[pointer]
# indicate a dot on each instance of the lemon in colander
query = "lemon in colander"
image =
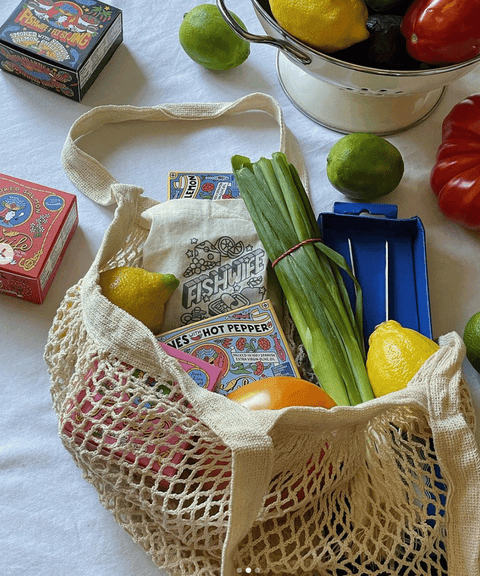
(327, 25)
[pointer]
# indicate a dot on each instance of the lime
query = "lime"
(141, 293)
(471, 339)
(209, 40)
(328, 25)
(364, 166)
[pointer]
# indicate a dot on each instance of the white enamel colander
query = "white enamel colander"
(347, 97)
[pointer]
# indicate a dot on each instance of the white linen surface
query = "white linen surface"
(51, 521)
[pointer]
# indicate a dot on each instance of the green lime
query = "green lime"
(209, 40)
(364, 166)
(471, 339)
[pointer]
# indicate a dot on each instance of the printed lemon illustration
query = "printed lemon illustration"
(141, 293)
(327, 25)
(395, 355)
(364, 166)
(209, 40)
(471, 339)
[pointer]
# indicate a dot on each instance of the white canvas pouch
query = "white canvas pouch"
(216, 255)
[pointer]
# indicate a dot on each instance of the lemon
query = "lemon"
(471, 339)
(395, 355)
(209, 40)
(141, 293)
(327, 25)
(364, 166)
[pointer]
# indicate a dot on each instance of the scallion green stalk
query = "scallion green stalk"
(310, 276)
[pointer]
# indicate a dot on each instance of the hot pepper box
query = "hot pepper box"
(61, 46)
(36, 226)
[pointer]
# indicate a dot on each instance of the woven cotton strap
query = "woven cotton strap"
(96, 182)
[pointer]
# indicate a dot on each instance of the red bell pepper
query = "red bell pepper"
(455, 177)
(442, 31)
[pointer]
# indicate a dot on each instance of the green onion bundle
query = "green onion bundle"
(310, 277)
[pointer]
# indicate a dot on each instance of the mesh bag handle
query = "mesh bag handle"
(97, 183)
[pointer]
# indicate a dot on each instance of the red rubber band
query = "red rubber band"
(290, 250)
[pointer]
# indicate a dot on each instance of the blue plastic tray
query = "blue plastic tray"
(370, 227)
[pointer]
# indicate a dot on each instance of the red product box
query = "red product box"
(36, 226)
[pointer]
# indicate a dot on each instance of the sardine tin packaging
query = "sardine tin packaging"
(247, 343)
(61, 46)
(202, 185)
(36, 226)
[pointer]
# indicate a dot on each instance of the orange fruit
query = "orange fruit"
(278, 392)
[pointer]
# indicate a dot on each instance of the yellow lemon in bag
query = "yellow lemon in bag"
(327, 25)
(140, 293)
(395, 355)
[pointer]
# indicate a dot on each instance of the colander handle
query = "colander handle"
(283, 45)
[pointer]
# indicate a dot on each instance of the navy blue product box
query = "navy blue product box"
(386, 252)
(60, 45)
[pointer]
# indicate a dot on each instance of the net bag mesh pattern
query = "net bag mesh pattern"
(368, 497)
(210, 488)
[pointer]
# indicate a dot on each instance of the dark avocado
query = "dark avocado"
(388, 6)
(385, 48)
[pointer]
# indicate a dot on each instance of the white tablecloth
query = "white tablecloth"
(51, 521)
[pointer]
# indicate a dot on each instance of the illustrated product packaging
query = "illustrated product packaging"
(246, 344)
(203, 373)
(212, 247)
(202, 185)
(36, 226)
(61, 46)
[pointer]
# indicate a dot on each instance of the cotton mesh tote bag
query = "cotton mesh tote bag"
(207, 487)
